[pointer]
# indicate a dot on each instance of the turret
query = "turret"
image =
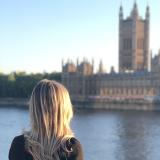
(159, 56)
(85, 67)
(112, 70)
(77, 62)
(92, 65)
(101, 69)
(121, 13)
(147, 36)
(147, 16)
(135, 10)
(68, 67)
(62, 63)
(120, 31)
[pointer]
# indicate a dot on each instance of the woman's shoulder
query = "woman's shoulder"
(18, 141)
(19, 138)
(74, 148)
(17, 147)
(73, 144)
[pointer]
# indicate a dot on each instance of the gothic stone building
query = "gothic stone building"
(83, 84)
(134, 41)
(138, 84)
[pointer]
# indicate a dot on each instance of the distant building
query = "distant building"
(134, 52)
(84, 84)
(134, 81)
(155, 65)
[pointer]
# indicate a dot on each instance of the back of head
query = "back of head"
(51, 113)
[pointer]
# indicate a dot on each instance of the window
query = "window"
(127, 43)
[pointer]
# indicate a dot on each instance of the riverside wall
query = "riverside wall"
(14, 102)
(117, 105)
(92, 104)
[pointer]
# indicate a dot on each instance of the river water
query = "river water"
(104, 135)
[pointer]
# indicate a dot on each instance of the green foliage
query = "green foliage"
(20, 85)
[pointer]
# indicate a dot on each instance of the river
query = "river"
(104, 135)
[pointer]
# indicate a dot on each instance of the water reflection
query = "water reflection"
(113, 135)
(97, 132)
(135, 131)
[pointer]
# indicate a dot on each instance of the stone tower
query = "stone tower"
(134, 41)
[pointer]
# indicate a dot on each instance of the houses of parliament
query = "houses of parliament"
(139, 73)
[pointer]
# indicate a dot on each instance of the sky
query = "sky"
(35, 35)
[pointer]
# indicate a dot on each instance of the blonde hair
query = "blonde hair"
(51, 112)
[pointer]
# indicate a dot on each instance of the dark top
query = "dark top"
(18, 152)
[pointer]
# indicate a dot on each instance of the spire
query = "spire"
(147, 3)
(147, 12)
(121, 11)
(158, 56)
(112, 69)
(151, 53)
(135, 9)
(101, 67)
(159, 52)
(92, 65)
(62, 63)
(77, 62)
(135, 4)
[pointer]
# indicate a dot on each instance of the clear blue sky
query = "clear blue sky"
(36, 34)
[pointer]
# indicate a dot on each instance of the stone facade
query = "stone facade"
(137, 85)
(140, 84)
(134, 41)
(155, 65)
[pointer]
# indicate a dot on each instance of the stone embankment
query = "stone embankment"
(14, 102)
(115, 104)
(129, 104)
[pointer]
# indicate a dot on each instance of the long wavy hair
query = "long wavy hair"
(51, 112)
